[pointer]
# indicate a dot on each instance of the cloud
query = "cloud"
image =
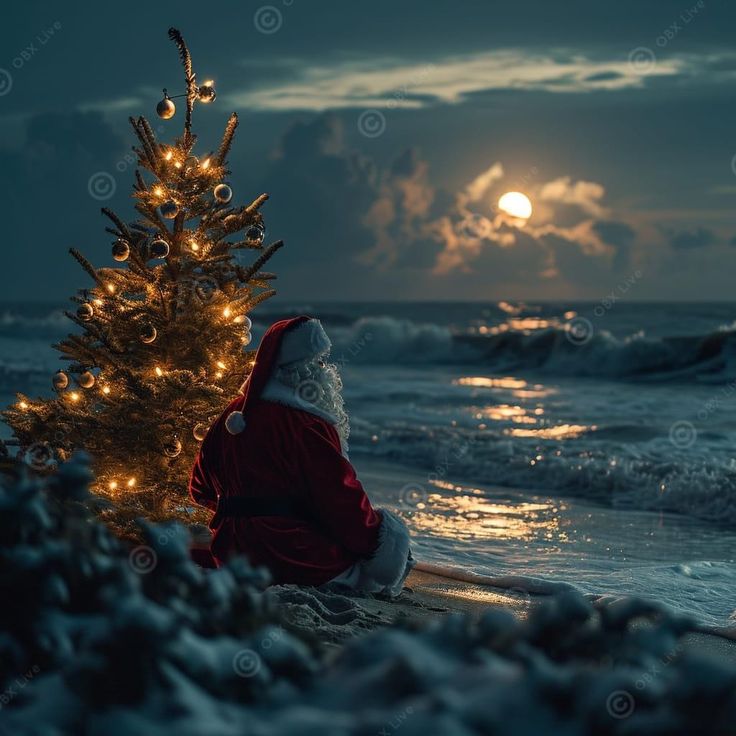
(699, 237)
(391, 82)
(583, 194)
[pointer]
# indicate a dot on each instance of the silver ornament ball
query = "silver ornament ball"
(223, 193)
(255, 234)
(159, 248)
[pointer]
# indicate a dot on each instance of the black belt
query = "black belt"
(243, 506)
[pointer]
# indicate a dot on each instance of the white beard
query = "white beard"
(315, 386)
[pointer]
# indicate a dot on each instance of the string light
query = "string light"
(177, 164)
(226, 312)
(111, 288)
(158, 191)
(218, 374)
(239, 319)
(98, 302)
(206, 164)
(221, 365)
(105, 389)
(168, 155)
(23, 405)
(194, 245)
(159, 371)
(131, 482)
(113, 485)
(74, 396)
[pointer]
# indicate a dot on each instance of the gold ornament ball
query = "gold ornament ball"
(223, 193)
(200, 431)
(86, 380)
(166, 109)
(173, 447)
(120, 250)
(60, 380)
(169, 210)
(159, 248)
(149, 334)
(206, 93)
(85, 312)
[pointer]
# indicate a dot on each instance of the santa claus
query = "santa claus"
(274, 470)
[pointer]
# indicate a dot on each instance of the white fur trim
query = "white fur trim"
(386, 570)
(235, 422)
(303, 342)
(280, 393)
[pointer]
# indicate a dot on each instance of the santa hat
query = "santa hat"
(288, 341)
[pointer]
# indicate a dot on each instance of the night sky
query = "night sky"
(385, 133)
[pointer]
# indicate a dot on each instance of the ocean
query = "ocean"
(590, 444)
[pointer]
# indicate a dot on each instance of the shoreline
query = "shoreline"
(333, 617)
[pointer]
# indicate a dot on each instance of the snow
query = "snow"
(92, 642)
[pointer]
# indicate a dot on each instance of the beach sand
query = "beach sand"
(332, 617)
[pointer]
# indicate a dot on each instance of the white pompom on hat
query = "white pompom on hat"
(288, 341)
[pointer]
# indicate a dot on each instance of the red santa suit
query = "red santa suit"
(272, 470)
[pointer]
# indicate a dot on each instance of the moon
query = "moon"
(516, 204)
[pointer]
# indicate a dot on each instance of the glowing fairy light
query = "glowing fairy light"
(168, 155)
(158, 191)
(226, 312)
(159, 371)
(23, 405)
(112, 485)
(131, 482)
(239, 319)
(105, 390)
(194, 245)
(177, 164)
(206, 164)
(74, 396)
(99, 302)
(110, 288)
(221, 365)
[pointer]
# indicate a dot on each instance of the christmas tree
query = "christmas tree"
(162, 342)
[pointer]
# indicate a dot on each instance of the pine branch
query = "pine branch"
(189, 78)
(261, 298)
(227, 139)
(248, 272)
(121, 226)
(255, 205)
(88, 267)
